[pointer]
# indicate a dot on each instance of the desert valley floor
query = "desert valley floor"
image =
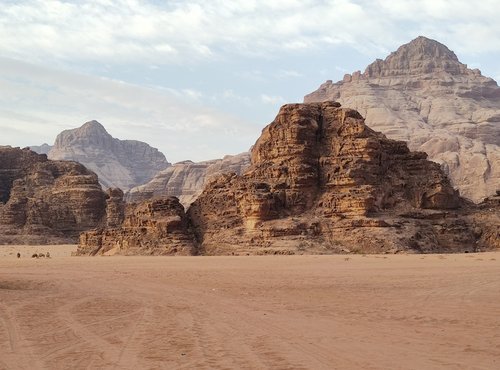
(279, 312)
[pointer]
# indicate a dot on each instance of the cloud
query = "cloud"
(183, 94)
(52, 100)
(230, 96)
(176, 32)
(219, 52)
(288, 73)
(269, 99)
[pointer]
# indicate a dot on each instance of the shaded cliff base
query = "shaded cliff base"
(152, 231)
(153, 227)
(468, 229)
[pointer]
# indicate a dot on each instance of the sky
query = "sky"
(201, 79)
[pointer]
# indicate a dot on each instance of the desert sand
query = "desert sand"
(272, 312)
(61, 250)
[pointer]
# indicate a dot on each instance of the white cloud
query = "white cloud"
(341, 69)
(183, 94)
(229, 95)
(123, 31)
(135, 39)
(288, 73)
(270, 99)
(52, 100)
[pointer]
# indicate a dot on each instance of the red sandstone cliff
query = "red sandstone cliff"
(43, 201)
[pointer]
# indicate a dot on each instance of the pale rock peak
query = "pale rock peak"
(118, 163)
(92, 127)
(424, 48)
(421, 55)
(422, 94)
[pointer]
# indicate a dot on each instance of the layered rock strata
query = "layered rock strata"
(44, 201)
(118, 163)
(321, 181)
(185, 180)
(152, 227)
(424, 95)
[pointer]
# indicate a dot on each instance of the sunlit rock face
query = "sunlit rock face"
(322, 181)
(423, 95)
(44, 201)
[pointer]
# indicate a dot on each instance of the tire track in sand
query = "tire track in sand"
(17, 346)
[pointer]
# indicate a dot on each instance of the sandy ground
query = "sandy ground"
(273, 312)
(10, 251)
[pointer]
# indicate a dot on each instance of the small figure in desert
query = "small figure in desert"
(41, 255)
(35, 255)
(47, 255)
(18, 255)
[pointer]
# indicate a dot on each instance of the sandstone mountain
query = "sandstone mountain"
(185, 180)
(320, 181)
(44, 201)
(118, 163)
(423, 95)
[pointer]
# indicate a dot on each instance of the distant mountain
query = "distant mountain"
(41, 149)
(424, 95)
(186, 180)
(118, 163)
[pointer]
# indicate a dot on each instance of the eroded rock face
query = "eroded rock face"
(44, 201)
(321, 181)
(185, 180)
(152, 227)
(118, 163)
(423, 95)
(115, 208)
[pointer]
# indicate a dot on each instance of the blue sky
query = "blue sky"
(200, 79)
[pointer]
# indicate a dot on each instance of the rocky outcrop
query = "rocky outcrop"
(44, 201)
(486, 217)
(115, 208)
(185, 180)
(423, 95)
(321, 181)
(118, 163)
(152, 227)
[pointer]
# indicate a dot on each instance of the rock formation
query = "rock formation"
(152, 227)
(185, 180)
(44, 201)
(321, 181)
(118, 163)
(422, 94)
